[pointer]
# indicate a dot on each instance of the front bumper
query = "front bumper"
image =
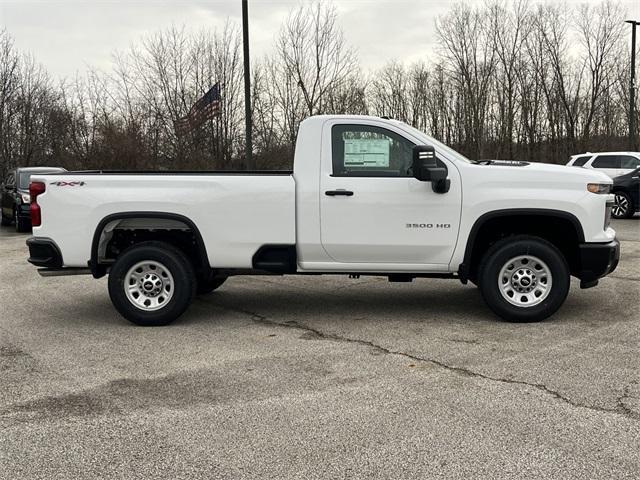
(43, 252)
(596, 261)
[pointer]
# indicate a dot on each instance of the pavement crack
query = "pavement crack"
(621, 408)
(622, 402)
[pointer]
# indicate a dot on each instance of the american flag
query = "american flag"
(204, 109)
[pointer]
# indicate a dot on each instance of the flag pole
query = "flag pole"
(247, 87)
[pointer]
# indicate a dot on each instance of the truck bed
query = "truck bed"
(235, 212)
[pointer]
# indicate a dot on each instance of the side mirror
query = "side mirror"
(425, 168)
(424, 159)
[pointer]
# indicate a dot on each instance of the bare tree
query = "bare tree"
(508, 31)
(471, 60)
(9, 79)
(601, 34)
(350, 97)
(312, 50)
(512, 79)
(389, 92)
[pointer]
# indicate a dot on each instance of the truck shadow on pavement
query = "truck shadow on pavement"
(351, 303)
(281, 302)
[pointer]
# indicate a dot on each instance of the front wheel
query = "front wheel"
(524, 279)
(152, 283)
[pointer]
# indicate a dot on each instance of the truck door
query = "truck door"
(373, 210)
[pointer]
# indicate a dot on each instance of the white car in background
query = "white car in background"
(612, 164)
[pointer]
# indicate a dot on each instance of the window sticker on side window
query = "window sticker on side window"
(366, 152)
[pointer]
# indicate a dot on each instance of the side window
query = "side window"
(580, 161)
(368, 151)
(627, 161)
(606, 161)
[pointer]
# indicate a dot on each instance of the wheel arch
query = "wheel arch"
(621, 189)
(99, 269)
(476, 244)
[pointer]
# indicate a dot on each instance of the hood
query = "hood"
(577, 172)
(559, 172)
(536, 176)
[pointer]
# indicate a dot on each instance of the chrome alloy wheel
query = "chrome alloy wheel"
(525, 281)
(149, 285)
(620, 206)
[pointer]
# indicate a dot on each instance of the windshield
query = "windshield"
(25, 177)
(437, 144)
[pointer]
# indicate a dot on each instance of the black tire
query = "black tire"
(22, 224)
(4, 221)
(210, 283)
(623, 206)
(182, 288)
(521, 248)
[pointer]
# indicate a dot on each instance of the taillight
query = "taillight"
(35, 189)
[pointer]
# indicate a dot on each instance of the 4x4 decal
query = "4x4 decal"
(68, 184)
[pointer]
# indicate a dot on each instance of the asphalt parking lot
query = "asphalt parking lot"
(319, 377)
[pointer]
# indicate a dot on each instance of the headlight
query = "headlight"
(25, 198)
(602, 188)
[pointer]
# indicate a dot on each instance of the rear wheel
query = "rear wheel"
(524, 279)
(5, 221)
(622, 206)
(152, 283)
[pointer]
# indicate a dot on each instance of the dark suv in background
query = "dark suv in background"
(15, 196)
(626, 189)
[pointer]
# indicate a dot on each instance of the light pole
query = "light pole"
(632, 87)
(247, 87)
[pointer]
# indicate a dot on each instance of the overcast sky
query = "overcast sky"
(68, 35)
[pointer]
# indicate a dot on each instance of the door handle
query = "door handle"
(333, 193)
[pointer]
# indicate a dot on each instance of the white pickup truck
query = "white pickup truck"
(367, 196)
